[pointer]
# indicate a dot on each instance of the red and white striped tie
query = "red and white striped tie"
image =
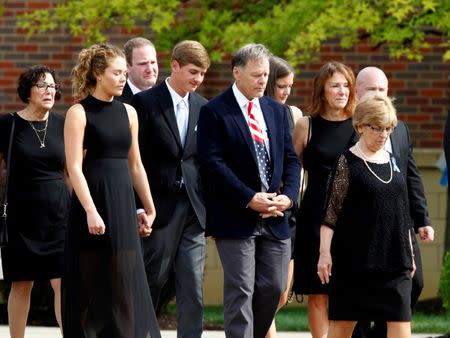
(255, 129)
(260, 148)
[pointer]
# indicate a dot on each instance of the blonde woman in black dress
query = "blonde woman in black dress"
(365, 240)
(105, 291)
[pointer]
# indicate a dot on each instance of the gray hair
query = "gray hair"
(252, 51)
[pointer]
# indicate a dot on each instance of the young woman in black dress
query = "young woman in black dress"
(105, 291)
(38, 197)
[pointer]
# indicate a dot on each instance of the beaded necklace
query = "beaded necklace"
(364, 158)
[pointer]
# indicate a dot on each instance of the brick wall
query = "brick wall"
(421, 89)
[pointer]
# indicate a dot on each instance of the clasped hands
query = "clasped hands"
(145, 222)
(270, 204)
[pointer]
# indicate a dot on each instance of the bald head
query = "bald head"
(371, 80)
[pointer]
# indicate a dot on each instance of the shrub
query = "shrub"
(444, 285)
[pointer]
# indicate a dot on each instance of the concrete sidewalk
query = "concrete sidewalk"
(53, 332)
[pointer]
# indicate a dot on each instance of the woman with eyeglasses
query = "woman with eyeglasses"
(38, 198)
(366, 252)
(319, 140)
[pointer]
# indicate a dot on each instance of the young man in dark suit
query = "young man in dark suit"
(251, 176)
(142, 67)
(372, 80)
(168, 115)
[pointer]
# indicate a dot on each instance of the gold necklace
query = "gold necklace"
(364, 158)
(37, 131)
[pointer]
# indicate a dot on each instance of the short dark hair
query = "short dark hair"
(30, 77)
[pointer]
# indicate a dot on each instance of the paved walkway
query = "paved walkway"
(52, 332)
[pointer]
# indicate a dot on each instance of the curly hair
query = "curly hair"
(317, 106)
(31, 77)
(91, 62)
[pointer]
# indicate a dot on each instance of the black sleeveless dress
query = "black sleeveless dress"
(39, 202)
(371, 252)
(104, 290)
(328, 140)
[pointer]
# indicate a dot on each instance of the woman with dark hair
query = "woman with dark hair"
(279, 85)
(319, 140)
(38, 199)
(105, 290)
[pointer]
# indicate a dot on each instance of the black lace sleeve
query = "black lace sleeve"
(336, 191)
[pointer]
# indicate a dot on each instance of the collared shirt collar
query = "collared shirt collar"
(176, 98)
(241, 99)
(133, 88)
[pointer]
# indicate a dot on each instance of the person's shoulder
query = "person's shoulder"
(153, 91)
(303, 122)
(401, 129)
(266, 100)
(6, 118)
(76, 112)
(57, 116)
(221, 98)
(197, 97)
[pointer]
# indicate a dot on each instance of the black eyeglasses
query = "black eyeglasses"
(42, 86)
(380, 130)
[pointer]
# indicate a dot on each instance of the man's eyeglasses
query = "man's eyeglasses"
(380, 130)
(42, 86)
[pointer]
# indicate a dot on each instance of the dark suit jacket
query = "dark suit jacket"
(162, 153)
(402, 149)
(127, 94)
(230, 171)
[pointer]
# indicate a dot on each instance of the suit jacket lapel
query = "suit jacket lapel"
(169, 112)
(194, 111)
(236, 112)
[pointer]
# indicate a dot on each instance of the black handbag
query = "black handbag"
(4, 216)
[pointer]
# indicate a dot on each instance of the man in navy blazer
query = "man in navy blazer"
(245, 205)
(372, 80)
(168, 115)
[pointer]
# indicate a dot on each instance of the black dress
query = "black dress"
(371, 252)
(328, 140)
(38, 199)
(104, 289)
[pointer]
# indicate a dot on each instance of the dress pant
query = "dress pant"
(255, 275)
(180, 247)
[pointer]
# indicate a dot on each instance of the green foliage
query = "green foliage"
(91, 18)
(444, 284)
(290, 28)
